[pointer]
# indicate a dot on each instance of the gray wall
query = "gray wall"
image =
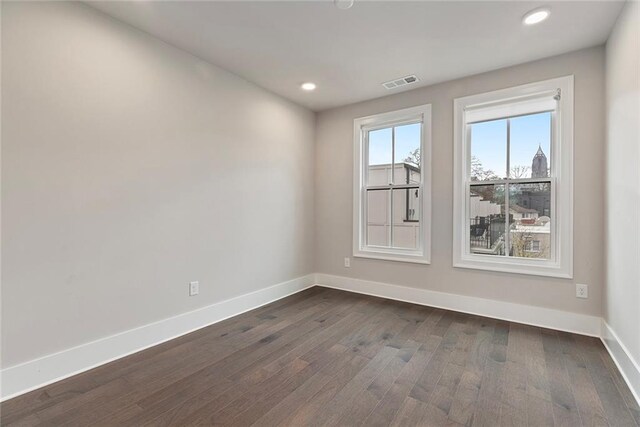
(334, 164)
(129, 168)
(622, 299)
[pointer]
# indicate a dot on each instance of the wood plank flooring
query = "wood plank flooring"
(325, 357)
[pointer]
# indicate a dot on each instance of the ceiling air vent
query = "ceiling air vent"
(407, 80)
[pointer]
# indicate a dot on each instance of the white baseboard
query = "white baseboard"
(537, 316)
(628, 367)
(19, 379)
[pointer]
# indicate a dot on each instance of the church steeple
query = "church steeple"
(539, 165)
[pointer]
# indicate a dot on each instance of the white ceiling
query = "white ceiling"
(349, 53)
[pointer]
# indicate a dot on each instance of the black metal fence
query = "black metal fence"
(486, 231)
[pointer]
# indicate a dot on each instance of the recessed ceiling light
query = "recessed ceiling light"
(535, 16)
(308, 86)
(343, 4)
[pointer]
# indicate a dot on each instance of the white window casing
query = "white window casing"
(362, 126)
(555, 96)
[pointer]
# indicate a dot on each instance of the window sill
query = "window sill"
(385, 256)
(529, 269)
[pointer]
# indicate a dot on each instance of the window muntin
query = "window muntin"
(391, 203)
(513, 201)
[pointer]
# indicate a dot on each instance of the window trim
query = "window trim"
(561, 264)
(362, 125)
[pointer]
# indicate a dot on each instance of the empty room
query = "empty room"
(320, 213)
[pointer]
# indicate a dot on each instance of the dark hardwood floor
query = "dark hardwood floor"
(326, 357)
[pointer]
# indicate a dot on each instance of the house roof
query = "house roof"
(387, 165)
(531, 228)
(520, 209)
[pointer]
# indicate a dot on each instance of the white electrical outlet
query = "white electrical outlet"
(194, 288)
(582, 291)
(347, 262)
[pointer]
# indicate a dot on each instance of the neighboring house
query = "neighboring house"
(518, 212)
(406, 205)
(531, 238)
(480, 208)
(536, 197)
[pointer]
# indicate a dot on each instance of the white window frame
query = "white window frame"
(361, 126)
(510, 102)
(531, 247)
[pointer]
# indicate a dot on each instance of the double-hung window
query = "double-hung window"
(513, 179)
(392, 185)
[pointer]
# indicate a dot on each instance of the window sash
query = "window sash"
(365, 158)
(467, 142)
(390, 216)
(553, 251)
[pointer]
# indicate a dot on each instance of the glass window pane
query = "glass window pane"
(406, 218)
(488, 150)
(530, 220)
(379, 158)
(407, 154)
(487, 219)
(378, 217)
(530, 146)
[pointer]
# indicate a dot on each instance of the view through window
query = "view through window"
(393, 186)
(510, 186)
